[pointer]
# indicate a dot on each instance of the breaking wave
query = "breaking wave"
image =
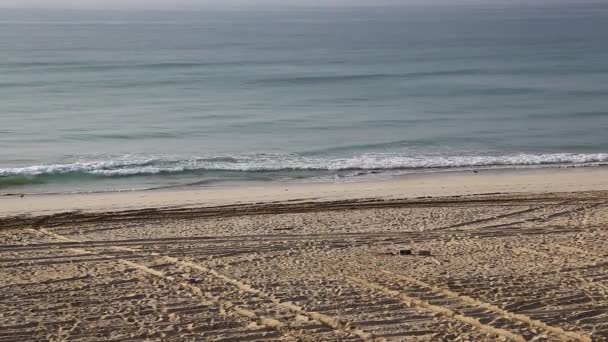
(129, 166)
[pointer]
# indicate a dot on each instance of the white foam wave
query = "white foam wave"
(130, 165)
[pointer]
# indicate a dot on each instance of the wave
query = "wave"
(128, 166)
(108, 66)
(590, 114)
(316, 79)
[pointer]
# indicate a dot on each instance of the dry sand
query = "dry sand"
(514, 256)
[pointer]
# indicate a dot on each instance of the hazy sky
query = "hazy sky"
(181, 4)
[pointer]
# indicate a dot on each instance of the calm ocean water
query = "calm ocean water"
(96, 101)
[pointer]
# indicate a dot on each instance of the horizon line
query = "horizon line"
(472, 3)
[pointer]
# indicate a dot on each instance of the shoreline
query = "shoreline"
(460, 183)
(29, 187)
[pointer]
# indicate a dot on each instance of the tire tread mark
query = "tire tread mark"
(224, 304)
(469, 300)
(489, 219)
(418, 303)
(327, 320)
(547, 217)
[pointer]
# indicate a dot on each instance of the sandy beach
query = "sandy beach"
(493, 256)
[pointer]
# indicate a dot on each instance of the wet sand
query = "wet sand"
(518, 264)
(410, 186)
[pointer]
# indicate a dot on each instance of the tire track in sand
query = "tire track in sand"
(565, 335)
(441, 310)
(224, 304)
(327, 320)
(591, 283)
(545, 217)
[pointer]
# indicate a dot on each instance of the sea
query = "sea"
(130, 100)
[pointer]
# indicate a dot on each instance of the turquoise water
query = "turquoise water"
(98, 101)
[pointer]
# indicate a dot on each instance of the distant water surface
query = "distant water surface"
(103, 101)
